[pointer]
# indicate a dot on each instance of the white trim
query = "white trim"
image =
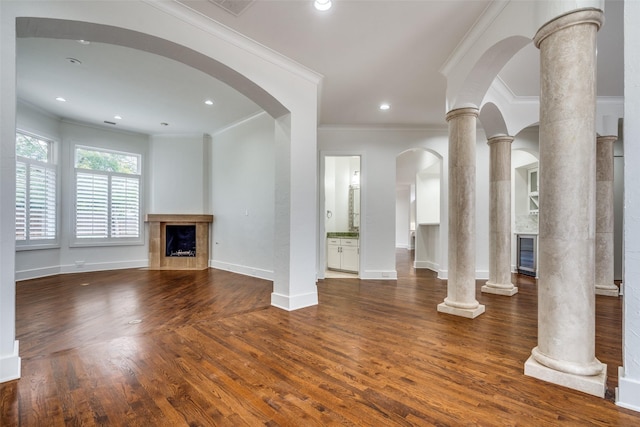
(102, 266)
(482, 274)
(204, 23)
(379, 275)
(382, 128)
(294, 302)
(426, 264)
(36, 273)
(627, 392)
(242, 269)
(10, 365)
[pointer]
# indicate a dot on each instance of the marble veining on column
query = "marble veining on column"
(461, 283)
(565, 353)
(499, 282)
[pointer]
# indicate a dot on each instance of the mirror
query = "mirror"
(342, 194)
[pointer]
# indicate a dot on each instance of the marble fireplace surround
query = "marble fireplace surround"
(157, 241)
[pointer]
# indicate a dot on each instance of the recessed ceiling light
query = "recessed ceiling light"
(208, 102)
(61, 99)
(164, 124)
(384, 106)
(74, 61)
(117, 117)
(81, 41)
(322, 5)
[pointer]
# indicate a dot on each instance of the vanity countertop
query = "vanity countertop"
(343, 234)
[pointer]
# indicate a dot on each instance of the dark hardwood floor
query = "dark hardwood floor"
(176, 348)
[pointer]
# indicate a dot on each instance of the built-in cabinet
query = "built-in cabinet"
(343, 254)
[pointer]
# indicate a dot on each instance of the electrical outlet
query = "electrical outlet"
(79, 264)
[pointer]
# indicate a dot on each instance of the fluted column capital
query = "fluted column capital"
(577, 17)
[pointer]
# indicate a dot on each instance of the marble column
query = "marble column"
(461, 283)
(604, 217)
(500, 218)
(565, 354)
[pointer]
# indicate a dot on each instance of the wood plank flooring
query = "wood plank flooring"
(205, 348)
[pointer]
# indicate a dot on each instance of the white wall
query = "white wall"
(428, 196)
(379, 149)
(66, 258)
(178, 165)
(403, 215)
(242, 194)
(628, 391)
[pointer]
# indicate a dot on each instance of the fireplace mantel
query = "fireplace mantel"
(157, 241)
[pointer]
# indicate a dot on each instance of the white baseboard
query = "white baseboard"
(242, 269)
(73, 268)
(379, 275)
(426, 264)
(104, 266)
(294, 302)
(627, 392)
(482, 274)
(10, 365)
(37, 272)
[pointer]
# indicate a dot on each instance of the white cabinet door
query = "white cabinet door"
(350, 258)
(333, 256)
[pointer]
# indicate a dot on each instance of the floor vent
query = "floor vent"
(234, 7)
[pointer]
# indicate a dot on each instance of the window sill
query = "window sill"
(97, 243)
(36, 246)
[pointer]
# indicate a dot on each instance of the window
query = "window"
(107, 192)
(36, 189)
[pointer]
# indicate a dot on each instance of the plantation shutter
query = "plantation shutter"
(125, 206)
(92, 205)
(42, 202)
(21, 201)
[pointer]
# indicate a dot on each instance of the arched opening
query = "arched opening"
(418, 206)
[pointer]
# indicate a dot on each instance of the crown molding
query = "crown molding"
(204, 23)
(383, 128)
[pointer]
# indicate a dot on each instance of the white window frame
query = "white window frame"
(51, 164)
(109, 240)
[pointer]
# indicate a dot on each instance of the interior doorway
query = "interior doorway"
(418, 194)
(342, 216)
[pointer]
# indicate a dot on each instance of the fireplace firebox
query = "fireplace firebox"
(181, 240)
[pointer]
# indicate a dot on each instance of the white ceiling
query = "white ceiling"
(368, 52)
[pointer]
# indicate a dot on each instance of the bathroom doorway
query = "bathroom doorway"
(342, 216)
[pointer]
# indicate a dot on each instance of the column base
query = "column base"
(497, 289)
(595, 385)
(469, 313)
(608, 291)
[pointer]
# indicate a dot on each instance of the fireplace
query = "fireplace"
(178, 242)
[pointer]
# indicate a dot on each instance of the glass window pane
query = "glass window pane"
(107, 161)
(33, 148)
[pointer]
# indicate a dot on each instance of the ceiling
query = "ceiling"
(368, 52)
